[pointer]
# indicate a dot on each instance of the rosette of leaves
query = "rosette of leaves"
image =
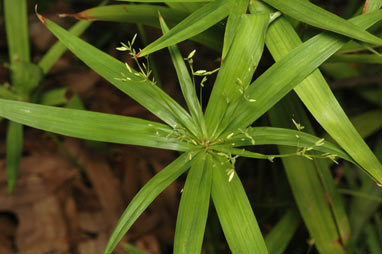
(209, 142)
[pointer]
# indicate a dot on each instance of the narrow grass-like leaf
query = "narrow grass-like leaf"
(193, 208)
(148, 15)
(56, 51)
(368, 123)
(303, 60)
(195, 23)
(186, 84)
(234, 211)
(313, 15)
(7, 93)
(55, 97)
(126, 79)
(92, 125)
(327, 198)
(189, 6)
(362, 209)
(14, 150)
(314, 92)
(237, 69)
(145, 196)
(16, 23)
(278, 239)
(372, 5)
(239, 7)
(280, 136)
(356, 58)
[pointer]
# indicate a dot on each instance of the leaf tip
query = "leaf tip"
(84, 15)
(160, 15)
(379, 184)
(365, 7)
(39, 16)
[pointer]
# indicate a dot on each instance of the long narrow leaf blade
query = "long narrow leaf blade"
(312, 14)
(186, 84)
(234, 211)
(281, 136)
(127, 80)
(239, 8)
(372, 5)
(193, 208)
(330, 229)
(14, 151)
(148, 15)
(319, 99)
(56, 51)
(144, 198)
(237, 69)
(16, 23)
(278, 239)
(197, 22)
(274, 84)
(91, 125)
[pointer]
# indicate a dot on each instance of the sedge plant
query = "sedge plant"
(209, 142)
(26, 78)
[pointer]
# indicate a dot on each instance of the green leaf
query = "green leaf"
(126, 79)
(148, 15)
(362, 208)
(16, 24)
(313, 15)
(56, 51)
(55, 97)
(186, 84)
(368, 123)
(239, 7)
(373, 5)
(14, 151)
(280, 136)
(324, 214)
(278, 239)
(195, 23)
(314, 91)
(92, 125)
(357, 58)
(193, 208)
(237, 69)
(25, 77)
(234, 211)
(7, 93)
(145, 196)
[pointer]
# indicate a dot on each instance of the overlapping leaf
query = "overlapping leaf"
(279, 80)
(193, 207)
(195, 23)
(145, 196)
(237, 69)
(92, 125)
(148, 15)
(125, 79)
(314, 15)
(234, 211)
